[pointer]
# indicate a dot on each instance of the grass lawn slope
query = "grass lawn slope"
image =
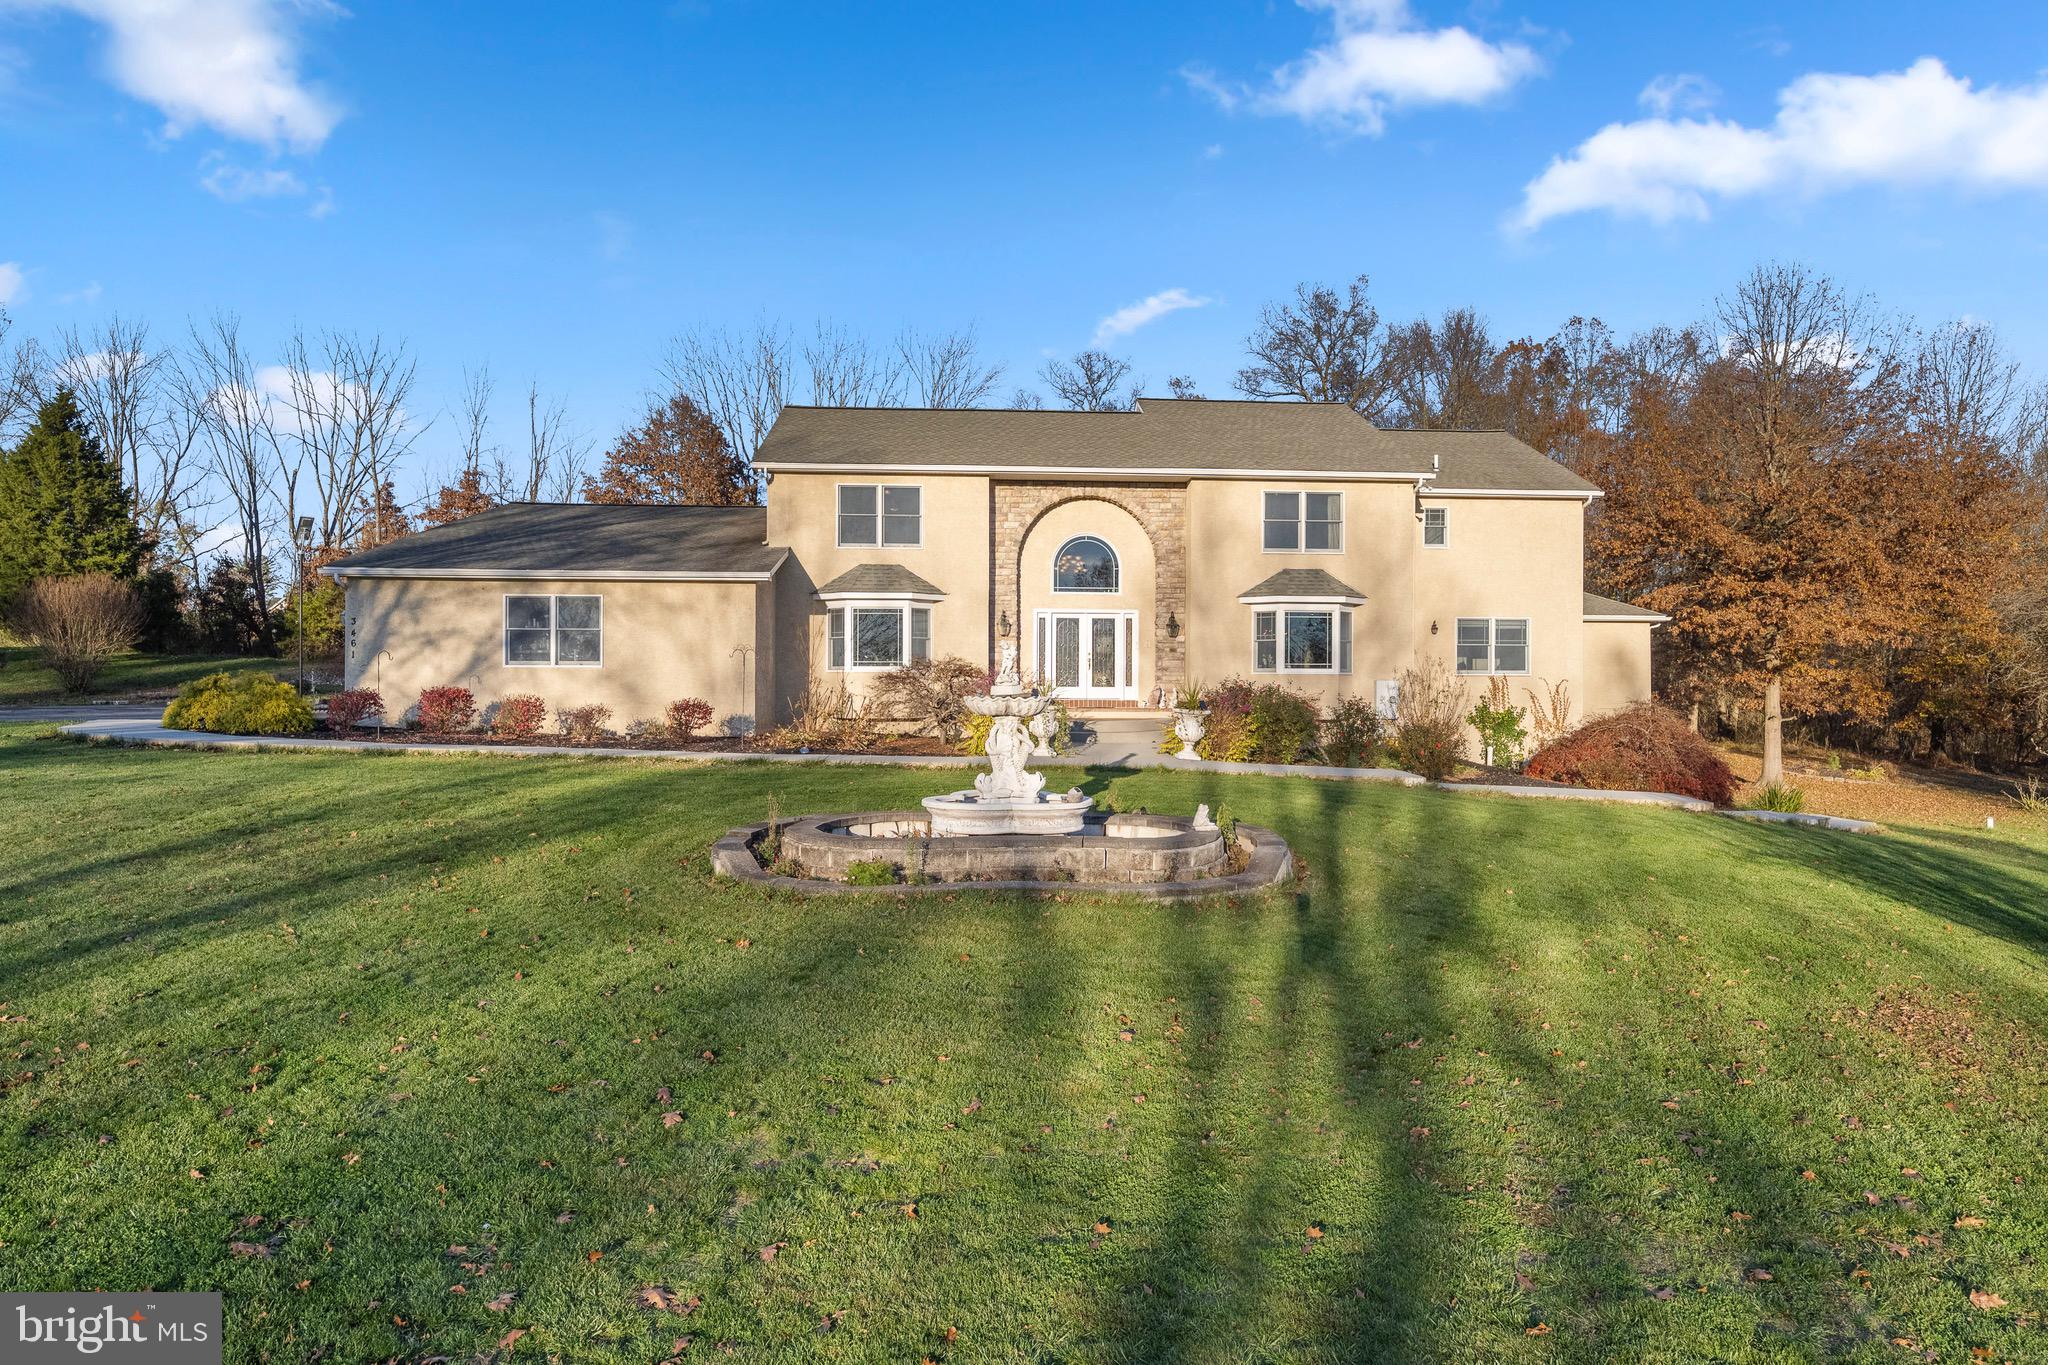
(470, 1057)
(26, 681)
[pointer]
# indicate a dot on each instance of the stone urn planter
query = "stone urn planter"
(1189, 729)
(1043, 727)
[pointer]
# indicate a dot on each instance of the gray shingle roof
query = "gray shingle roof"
(1301, 583)
(1597, 605)
(571, 540)
(1162, 435)
(880, 579)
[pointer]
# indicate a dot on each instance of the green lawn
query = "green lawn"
(1505, 1080)
(24, 681)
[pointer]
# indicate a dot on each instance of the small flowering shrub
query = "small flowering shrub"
(347, 710)
(1351, 733)
(583, 722)
(520, 716)
(249, 704)
(1645, 747)
(686, 717)
(446, 710)
(1248, 722)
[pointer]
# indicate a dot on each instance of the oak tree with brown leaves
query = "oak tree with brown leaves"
(676, 454)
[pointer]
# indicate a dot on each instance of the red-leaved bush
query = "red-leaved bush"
(687, 717)
(1645, 747)
(520, 715)
(445, 710)
(345, 710)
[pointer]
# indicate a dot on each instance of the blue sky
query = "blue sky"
(555, 189)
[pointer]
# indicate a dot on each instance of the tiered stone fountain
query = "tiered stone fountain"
(1007, 833)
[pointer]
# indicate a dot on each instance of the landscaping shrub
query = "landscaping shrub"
(686, 717)
(240, 704)
(79, 622)
(930, 695)
(1351, 733)
(583, 722)
(520, 715)
(345, 710)
(974, 730)
(1645, 747)
(1782, 796)
(1248, 722)
(1499, 723)
(446, 710)
(1429, 722)
(872, 872)
(827, 720)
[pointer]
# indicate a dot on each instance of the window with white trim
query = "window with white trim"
(548, 631)
(881, 514)
(1310, 522)
(1085, 564)
(877, 636)
(1301, 640)
(1436, 527)
(1493, 644)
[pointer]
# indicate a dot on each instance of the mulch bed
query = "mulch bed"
(1477, 775)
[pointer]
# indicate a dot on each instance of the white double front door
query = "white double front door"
(1087, 655)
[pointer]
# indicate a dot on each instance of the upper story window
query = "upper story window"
(1493, 644)
(1436, 526)
(1085, 564)
(542, 631)
(881, 514)
(1312, 522)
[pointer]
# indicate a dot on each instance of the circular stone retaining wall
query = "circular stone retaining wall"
(1110, 848)
(1267, 859)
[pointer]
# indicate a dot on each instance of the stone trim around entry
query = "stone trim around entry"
(1160, 508)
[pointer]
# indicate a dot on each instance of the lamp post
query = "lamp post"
(304, 541)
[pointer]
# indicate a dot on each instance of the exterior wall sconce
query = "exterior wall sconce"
(1003, 625)
(1172, 626)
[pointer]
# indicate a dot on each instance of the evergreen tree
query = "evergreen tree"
(63, 508)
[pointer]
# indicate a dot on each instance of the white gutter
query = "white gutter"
(1579, 495)
(847, 468)
(339, 572)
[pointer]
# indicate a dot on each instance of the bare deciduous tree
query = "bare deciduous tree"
(1447, 374)
(20, 378)
(350, 423)
(946, 370)
(553, 462)
(217, 380)
(1089, 382)
(846, 372)
(1322, 348)
(741, 378)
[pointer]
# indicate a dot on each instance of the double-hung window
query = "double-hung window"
(881, 514)
(560, 631)
(1312, 522)
(1301, 640)
(876, 637)
(1436, 527)
(1493, 644)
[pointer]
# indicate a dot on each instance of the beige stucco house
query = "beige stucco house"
(1124, 553)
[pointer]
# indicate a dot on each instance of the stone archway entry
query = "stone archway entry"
(1105, 640)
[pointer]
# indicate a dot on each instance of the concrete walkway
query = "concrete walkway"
(1123, 750)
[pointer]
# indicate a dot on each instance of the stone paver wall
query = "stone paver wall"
(1161, 508)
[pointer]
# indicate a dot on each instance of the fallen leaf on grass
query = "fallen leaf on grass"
(663, 1299)
(1983, 1299)
(909, 1210)
(1541, 1329)
(973, 1106)
(671, 1119)
(249, 1249)
(1315, 1231)
(768, 1252)
(1661, 1293)
(1969, 1220)
(1102, 1229)
(511, 1336)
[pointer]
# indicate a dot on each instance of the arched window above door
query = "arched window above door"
(1085, 564)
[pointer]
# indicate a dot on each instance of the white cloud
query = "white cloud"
(1130, 318)
(1212, 151)
(232, 183)
(89, 293)
(1379, 58)
(1920, 126)
(231, 65)
(1680, 93)
(13, 283)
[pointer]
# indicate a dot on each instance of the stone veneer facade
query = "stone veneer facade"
(1161, 508)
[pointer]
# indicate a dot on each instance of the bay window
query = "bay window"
(1301, 640)
(877, 636)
